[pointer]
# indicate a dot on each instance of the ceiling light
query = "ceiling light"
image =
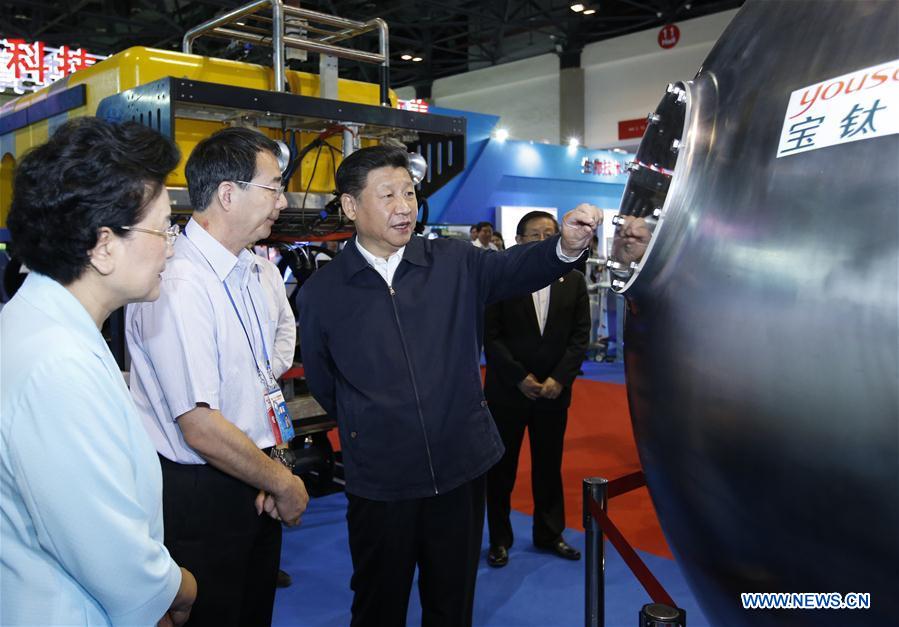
(577, 8)
(573, 142)
(406, 57)
(416, 59)
(501, 134)
(589, 11)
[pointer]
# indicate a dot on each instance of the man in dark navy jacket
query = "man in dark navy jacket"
(391, 334)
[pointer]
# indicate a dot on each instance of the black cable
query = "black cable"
(292, 168)
(333, 204)
(330, 207)
(312, 176)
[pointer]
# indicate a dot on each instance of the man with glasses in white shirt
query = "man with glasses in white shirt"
(204, 364)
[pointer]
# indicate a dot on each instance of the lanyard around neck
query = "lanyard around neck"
(266, 376)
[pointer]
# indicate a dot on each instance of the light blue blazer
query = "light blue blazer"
(80, 483)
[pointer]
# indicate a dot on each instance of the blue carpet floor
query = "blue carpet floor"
(534, 589)
(603, 372)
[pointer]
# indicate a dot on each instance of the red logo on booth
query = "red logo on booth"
(669, 36)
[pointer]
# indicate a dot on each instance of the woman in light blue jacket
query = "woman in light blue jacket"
(80, 484)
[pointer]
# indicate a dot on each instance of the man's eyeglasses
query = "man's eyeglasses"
(276, 190)
(169, 234)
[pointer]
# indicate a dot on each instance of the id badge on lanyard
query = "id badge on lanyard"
(278, 416)
(275, 406)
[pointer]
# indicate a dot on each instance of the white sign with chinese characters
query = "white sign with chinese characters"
(418, 105)
(855, 106)
(26, 66)
(601, 167)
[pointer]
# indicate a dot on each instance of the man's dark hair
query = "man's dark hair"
(481, 225)
(353, 172)
(226, 155)
(533, 215)
(89, 174)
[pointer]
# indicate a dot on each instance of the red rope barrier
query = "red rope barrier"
(630, 557)
(625, 483)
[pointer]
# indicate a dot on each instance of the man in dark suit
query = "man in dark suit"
(535, 346)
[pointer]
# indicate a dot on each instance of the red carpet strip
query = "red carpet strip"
(599, 442)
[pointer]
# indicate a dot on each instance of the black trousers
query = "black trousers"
(212, 530)
(546, 433)
(440, 534)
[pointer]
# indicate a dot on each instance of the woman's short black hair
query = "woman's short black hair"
(353, 172)
(226, 155)
(89, 174)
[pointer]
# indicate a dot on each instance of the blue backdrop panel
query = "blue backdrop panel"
(522, 173)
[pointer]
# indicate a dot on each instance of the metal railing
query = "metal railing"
(233, 25)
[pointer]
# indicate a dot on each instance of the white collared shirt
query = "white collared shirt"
(385, 267)
(490, 246)
(189, 347)
(541, 306)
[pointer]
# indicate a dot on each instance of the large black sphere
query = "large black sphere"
(762, 336)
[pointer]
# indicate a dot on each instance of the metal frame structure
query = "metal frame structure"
(451, 36)
(234, 26)
(440, 139)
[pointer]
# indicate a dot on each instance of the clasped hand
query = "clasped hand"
(286, 506)
(534, 389)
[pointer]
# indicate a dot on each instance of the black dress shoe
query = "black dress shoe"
(497, 556)
(562, 549)
(283, 580)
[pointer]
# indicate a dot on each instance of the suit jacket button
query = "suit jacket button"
(483, 403)
(353, 434)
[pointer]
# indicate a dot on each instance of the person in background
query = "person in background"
(535, 345)
(473, 232)
(416, 435)
(485, 236)
(498, 241)
(202, 374)
(80, 485)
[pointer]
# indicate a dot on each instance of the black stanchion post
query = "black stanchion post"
(660, 615)
(595, 489)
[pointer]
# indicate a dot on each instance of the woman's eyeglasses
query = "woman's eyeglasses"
(169, 234)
